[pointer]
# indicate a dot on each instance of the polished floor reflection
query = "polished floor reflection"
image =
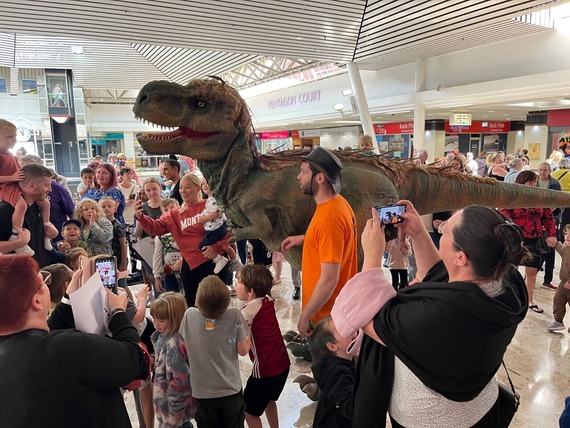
(538, 360)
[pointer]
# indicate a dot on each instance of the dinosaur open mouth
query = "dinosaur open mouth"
(180, 132)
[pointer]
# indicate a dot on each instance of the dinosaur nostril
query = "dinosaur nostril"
(142, 98)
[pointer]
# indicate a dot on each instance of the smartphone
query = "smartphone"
(107, 269)
(391, 214)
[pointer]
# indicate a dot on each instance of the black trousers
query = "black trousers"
(191, 278)
(399, 278)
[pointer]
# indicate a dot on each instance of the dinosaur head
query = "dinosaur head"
(205, 116)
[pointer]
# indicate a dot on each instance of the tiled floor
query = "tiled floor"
(538, 362)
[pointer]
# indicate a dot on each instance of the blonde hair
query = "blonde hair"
(80, 207)
(109, 198)
(194, 179)
(151, 180)
(166, 202)
(72, 255)
(169, 307)
(6, 125)
(212, 297)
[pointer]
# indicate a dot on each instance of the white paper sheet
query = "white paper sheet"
(88, 304)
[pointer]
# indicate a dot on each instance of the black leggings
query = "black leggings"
(399, 278)
(191, 278)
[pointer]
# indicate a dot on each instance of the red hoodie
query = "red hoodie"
(186, 230)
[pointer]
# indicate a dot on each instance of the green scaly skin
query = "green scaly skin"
(260, 193)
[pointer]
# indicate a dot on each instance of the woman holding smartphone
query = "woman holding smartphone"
(187, 231)
(130, 190)
(431, 351)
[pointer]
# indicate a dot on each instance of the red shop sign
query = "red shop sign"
(277, 135)
(394, 128)
(479, 126)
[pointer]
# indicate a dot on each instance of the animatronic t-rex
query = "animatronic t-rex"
(260, 193)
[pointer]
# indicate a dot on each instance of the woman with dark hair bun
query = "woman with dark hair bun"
(536, 223)
(430, 351)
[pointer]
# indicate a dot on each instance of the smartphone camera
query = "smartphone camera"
(389, 216)
(107, 270)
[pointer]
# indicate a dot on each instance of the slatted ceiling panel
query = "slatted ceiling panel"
(182, 65)
(6, 50)
(466, 40)
(295, 28)
(389, 26)
(102, 65)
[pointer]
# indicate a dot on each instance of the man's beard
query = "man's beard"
(308, 189)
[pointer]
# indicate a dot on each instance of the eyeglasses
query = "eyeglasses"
(442, 231)
(46, 277)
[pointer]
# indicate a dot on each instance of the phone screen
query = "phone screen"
(391, 214)
(107, 269)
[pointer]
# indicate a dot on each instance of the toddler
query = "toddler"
(216, 335)
(172, 393)
(167, 260)
(214, 222)
(335, 373)
(562, 295)
(10, 192)
(71, 234)
(96, 230)
(109, 206)
(87, 181)
(268, 353)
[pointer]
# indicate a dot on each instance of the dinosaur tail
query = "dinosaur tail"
(453, 193)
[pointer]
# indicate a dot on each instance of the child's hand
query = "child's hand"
(18, 176)
(63, 246)
(201, 219)
(94, 217)
(143, 293)
(177, 266)
(158, 285)
(24, 235)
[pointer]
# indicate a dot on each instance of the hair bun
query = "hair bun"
(511, 237)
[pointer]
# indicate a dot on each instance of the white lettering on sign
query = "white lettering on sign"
(291, 100)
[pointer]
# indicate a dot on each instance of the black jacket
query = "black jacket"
(67, 378)
(335, 378)
(452, 336)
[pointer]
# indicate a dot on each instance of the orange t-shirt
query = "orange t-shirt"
(330, 238)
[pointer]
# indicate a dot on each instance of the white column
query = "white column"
(419, 126)
(129, 145)
(358, 91)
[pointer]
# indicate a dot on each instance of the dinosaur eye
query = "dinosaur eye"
(198, 103)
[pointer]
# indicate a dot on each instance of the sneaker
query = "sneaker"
(556, 326)
(47, 244)
(235, 265)
(549, 286)
(296, 293)
(26, 249)
(221, 262)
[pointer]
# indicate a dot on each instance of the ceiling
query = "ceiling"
(128, 43)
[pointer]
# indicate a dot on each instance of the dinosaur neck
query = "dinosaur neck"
(228, 177)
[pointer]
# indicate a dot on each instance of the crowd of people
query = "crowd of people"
(463, 266)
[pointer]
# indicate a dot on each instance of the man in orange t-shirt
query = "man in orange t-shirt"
(330, 243)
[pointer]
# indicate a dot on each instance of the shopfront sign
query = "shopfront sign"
(394, 128)
(480, 127)
(276, 135)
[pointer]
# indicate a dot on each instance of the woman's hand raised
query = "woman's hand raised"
(373, 242)
(413, 224)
